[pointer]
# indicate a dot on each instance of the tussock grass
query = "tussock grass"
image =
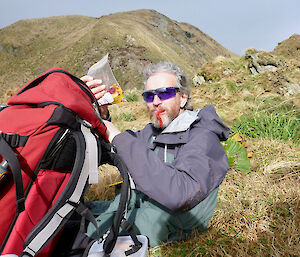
(104, 190)
(275, 125)
(257, 212)
(132, 96)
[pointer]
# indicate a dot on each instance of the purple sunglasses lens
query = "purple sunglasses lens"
(166, 93)
(148, 96)
(162, 93)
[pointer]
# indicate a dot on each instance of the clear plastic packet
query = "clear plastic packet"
(101, 70)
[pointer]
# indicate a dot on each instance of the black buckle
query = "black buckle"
(12, 139)
(134, 248)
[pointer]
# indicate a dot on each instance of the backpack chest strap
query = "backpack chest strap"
(14, 140)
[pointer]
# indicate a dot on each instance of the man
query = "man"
(176, 162)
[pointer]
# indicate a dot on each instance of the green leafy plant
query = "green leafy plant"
(238, 156)
(126, 116)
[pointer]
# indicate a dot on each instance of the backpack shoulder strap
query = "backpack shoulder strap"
(10, 160)
(110, 238)
(11, 165)
(69, 201)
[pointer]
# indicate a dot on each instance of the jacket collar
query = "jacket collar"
(182, 122)
(177, 131)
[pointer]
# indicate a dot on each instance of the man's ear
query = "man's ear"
(183, 100)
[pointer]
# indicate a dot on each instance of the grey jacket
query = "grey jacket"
(180, 166)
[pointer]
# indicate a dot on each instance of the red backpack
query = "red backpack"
(49, 150)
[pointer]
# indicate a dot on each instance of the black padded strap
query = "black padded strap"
(137, 244)
(112, 236)
(85, 212)
(8, 154)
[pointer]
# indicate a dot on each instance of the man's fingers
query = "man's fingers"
(86, 78)
(99, 95)
(98, 89)
(90, 81)
(94, 83)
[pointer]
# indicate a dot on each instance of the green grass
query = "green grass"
(257, 212)
(231, 86)
(274, 125)
(131, 97)
(125, 116)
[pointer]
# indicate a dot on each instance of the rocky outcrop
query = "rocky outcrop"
(260, 62)
(279, 72)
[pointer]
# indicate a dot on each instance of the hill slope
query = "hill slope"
(258, 211)
(133, 39)
(289, 48)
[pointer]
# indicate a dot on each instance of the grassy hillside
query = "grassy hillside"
(133, 39)
(289, 48)
(258, 211)
(257, 96)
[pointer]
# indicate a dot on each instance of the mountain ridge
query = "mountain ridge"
(133, 39)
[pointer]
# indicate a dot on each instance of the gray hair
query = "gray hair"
(181, 78)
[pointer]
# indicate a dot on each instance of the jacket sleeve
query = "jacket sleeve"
(199, 167)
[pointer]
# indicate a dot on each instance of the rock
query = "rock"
(260, 66)
(198, 80)
(227, 71)
(129, 38)
(253, 71)
(291, 89)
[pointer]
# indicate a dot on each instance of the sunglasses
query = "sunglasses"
(163, 93)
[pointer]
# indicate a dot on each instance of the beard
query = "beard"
(167, 117)
(157, 124)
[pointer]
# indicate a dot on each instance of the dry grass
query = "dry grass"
(108, 175)
(257, 213)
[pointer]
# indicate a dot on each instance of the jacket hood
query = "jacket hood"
(204, 118)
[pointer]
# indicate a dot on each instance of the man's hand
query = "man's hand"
(98, 90)
(95, 85)
(111, 131)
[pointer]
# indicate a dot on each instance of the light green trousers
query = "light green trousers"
(151, 219)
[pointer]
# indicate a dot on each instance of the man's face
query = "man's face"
(163, 112)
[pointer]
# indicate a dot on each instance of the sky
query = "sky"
(235, 24)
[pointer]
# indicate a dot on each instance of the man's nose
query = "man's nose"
(156, 100)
